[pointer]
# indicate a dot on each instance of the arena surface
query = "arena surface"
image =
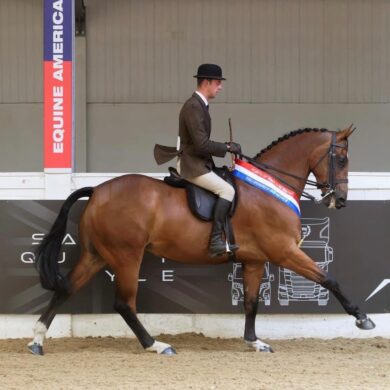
(201, 363)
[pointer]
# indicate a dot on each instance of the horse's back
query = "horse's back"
(134, 195)
(128, 188)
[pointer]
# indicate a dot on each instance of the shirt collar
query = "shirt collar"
(203, 98)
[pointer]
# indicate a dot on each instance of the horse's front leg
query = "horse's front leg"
(253, 273)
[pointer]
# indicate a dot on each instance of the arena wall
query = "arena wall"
(289, 65)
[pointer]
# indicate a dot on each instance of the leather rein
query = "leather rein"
(330, 186)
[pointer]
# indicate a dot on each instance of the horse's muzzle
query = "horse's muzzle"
(335, 201)
(340, 202)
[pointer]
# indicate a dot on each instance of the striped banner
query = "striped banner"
(58, 84)
(265, 182)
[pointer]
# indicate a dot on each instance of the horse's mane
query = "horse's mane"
(287, 136)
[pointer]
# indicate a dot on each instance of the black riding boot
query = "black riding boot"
(217, 245)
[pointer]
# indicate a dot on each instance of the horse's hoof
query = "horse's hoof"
(267, 348)
(169, 352)
(259, 346)
(365, 324)
(36, 349)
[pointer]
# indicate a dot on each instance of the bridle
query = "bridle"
(332, 179)
(330, 186)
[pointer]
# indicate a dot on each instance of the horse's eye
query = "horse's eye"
(342, 161)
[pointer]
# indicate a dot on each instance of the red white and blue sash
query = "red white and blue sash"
(265, 182)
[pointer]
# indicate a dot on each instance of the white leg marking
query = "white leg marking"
(158, 347)
(40, 331)
(259, 345)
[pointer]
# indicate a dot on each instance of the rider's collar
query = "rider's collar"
(203, 98)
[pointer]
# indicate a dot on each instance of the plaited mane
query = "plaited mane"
(287, 136)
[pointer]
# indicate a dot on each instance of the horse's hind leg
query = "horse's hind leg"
(89, 264)
(126, 276)
(297, 261)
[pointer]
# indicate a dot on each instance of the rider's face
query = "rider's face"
(213, 88)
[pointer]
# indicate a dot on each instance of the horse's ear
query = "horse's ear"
(344, 134)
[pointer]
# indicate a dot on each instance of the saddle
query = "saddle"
(200, 201)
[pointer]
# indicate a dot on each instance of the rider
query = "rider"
(195, 161)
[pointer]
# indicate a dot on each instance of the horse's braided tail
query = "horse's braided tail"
(47, 253)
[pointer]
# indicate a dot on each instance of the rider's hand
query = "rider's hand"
(234, 148)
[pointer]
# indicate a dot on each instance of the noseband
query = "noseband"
(330, 186)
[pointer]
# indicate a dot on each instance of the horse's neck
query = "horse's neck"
(290, 160)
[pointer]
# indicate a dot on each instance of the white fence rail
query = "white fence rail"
(40, 185)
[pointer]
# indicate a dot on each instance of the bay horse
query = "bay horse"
(131, 214)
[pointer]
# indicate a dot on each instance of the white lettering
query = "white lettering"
(58, 74)
(58, 17)
(68, 240)
(58, 101)
(167, 275)
(58, 147)
(111, 276)
(58, 5)
(58, 121)
(63, 258)
(58, 91)
(27, 257)
(58, 135)
(57, 36)
(58, 49)
(37, 237)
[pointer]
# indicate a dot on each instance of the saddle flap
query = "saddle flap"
(200, 201)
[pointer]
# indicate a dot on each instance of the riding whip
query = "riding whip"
(231, 140)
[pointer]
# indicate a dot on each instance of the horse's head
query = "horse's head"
(329, 164)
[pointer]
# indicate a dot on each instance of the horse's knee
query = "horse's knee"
(250, 305)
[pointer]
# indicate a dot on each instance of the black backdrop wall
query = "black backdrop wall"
(353, 244)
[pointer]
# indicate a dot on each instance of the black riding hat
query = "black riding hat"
(209, 71)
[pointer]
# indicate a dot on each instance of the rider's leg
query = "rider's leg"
(212, 182)
(217, 246)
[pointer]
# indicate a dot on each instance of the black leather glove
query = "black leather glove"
(234, 147)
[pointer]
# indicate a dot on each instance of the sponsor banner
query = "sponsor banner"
(351, 244)
(58, 84)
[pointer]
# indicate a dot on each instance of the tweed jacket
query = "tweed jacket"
(195, 145)
(196, 148)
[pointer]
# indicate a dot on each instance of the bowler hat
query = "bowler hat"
(209, 71)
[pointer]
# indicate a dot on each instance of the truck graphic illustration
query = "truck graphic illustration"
(293, 287)
(238, 285)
